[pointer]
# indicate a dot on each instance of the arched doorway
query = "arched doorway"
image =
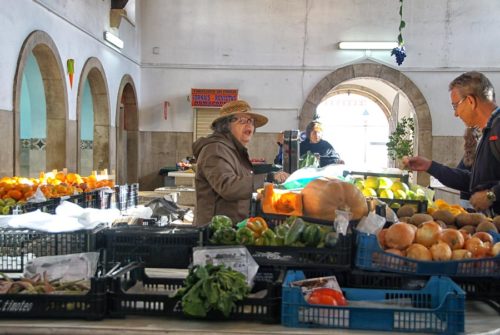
(93, 119)
(389, 76)
(127, 133)
(43, 147)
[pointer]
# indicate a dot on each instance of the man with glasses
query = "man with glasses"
(224, 178)
(473, 100)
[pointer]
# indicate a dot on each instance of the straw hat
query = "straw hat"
(240, 107)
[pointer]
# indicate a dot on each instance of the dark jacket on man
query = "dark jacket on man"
(485, 173)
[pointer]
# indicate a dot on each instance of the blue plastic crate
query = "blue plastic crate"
(369, 256)
(439, 307)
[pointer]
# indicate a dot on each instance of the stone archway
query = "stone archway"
(93, 71)
(127, 133)
(52, 71)
(391, 77)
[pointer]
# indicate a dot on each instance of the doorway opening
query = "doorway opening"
(357, 128)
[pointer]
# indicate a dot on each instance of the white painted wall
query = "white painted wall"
(273, 51)
(276, 51)
(77, 29)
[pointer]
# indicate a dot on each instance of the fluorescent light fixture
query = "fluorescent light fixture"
(113, 39)
(367, 45)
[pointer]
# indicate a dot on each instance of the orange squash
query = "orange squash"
(322, 196)
(281, 201)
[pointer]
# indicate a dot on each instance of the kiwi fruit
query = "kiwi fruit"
(419, 218)
(405, 210)
(444, 215)
(404, 219)
(465, 219)
(486, 226)
(496, 221)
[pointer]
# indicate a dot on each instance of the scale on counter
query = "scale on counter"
(291, 150)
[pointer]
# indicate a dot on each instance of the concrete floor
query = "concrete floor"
(480, 319)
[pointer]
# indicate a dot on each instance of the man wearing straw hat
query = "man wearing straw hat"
(224, 177)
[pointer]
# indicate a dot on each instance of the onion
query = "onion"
(465, 234)
(453, 238)
(396, 252)
(484, 236)
(475, 246)
(460, 254)
(419, 252)
(399, 236)
(428, 233)
(381, 238)
(441, 251)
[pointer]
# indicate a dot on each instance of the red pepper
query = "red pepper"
(327, 296)
(257, 225)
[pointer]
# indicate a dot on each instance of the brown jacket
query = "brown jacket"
(224, 178)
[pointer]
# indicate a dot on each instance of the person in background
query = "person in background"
(471, 137)
(316, 145)
(224, 178)
(473, 100)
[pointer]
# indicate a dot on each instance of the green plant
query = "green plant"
(401, 140)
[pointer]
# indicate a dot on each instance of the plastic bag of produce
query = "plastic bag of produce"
(64, 267)
(371, 224)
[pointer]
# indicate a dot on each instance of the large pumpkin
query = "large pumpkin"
(322, 196)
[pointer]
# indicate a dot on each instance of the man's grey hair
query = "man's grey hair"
(474, 83)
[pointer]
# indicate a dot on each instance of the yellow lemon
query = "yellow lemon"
(369, 192)
(400, 194)
(386, 194)
(398, 185)
(359, 183)
(384, 183)
(371, 182)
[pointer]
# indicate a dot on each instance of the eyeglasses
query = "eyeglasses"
(455, 105)
(243, 120)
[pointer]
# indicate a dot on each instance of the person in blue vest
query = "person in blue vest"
(473, 100)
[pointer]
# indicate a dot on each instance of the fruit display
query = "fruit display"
(389, 188)
(16, 190)
(422, 238)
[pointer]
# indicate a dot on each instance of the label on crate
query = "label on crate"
(237, 258)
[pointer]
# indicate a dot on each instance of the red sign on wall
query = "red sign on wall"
(201, 97)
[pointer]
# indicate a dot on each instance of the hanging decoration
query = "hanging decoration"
(70, 64)
(400, 51)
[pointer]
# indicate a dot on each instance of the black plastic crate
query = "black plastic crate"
(156, 247)
(482, 289)
(18, 246)
(158, 300)
(90, 306)
(84, 200)
(48, 206)
(338, 257)
(420, 206)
